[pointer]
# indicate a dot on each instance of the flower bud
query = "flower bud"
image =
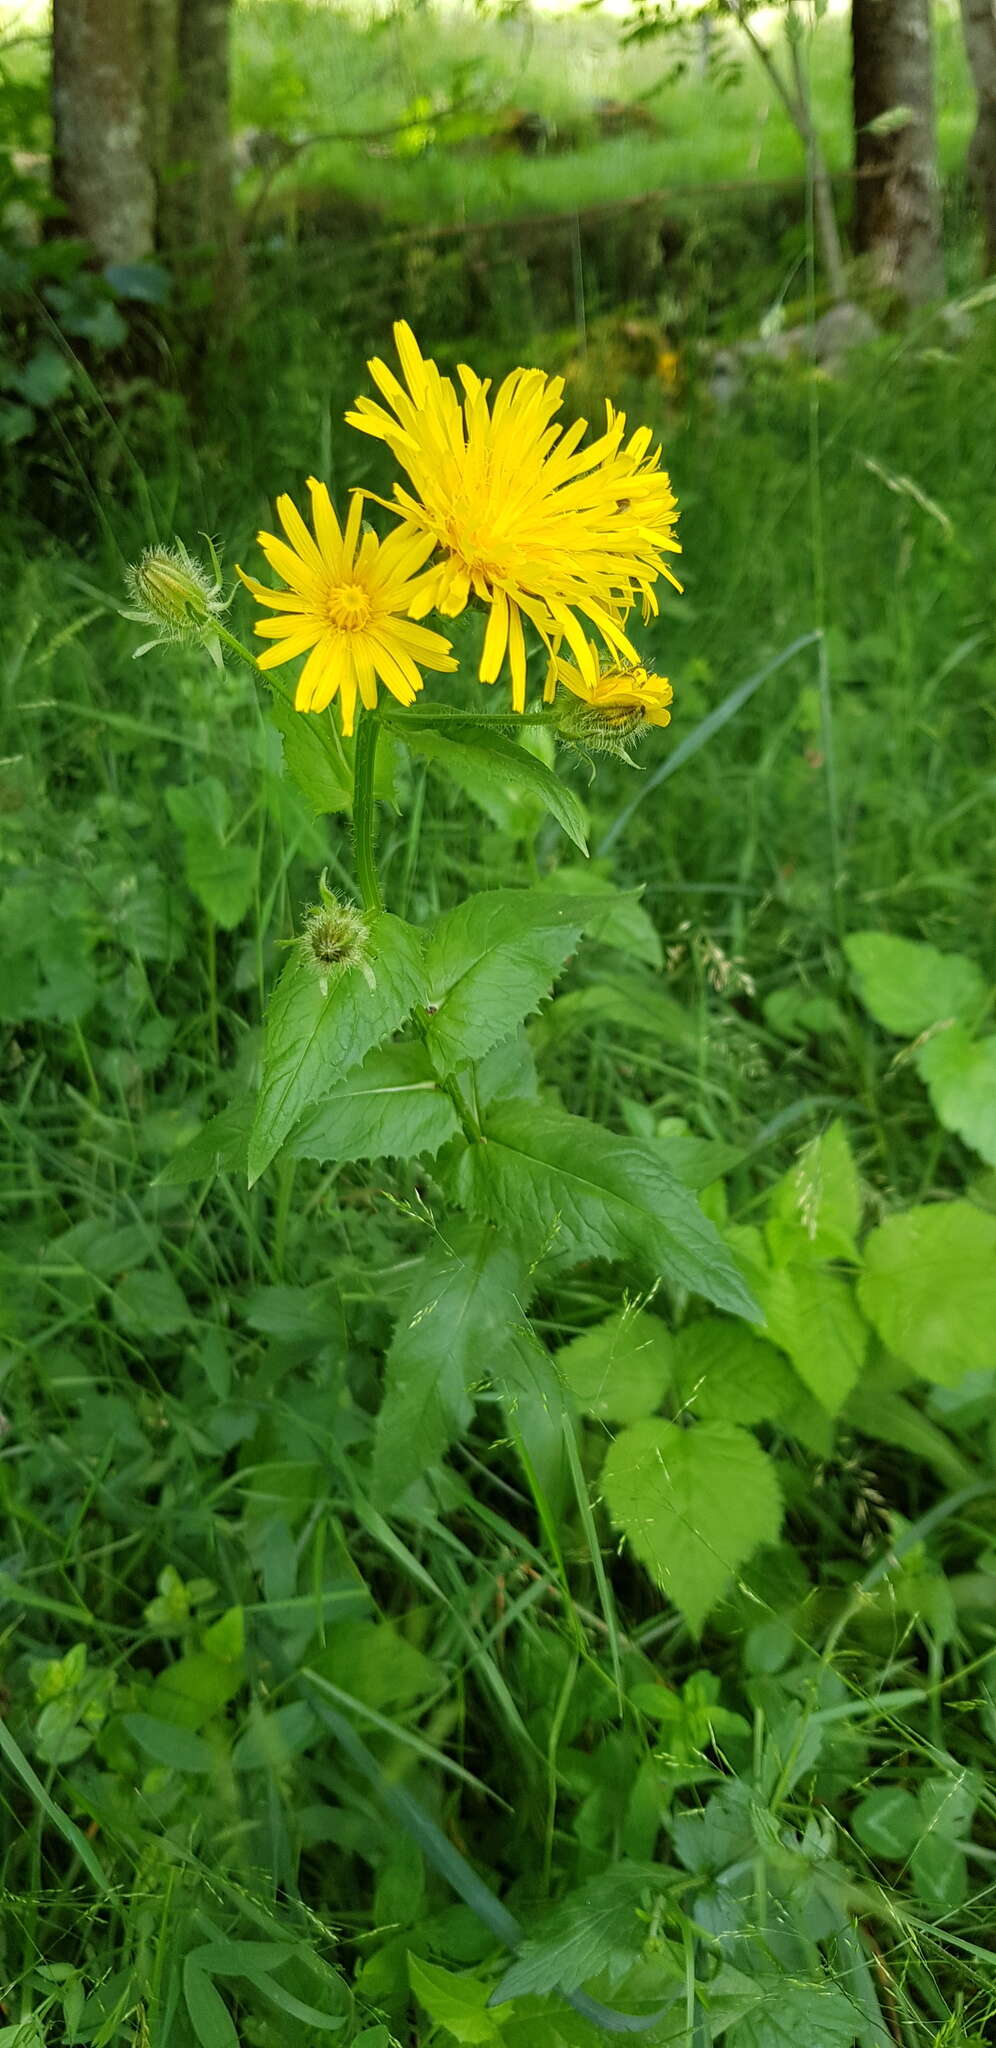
(600, 715)
(334, 938)
(176, 595)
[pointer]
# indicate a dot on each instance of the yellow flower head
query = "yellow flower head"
(524, 517)
(620, 704)
(346, 608)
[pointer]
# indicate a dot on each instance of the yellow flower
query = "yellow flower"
(525, 518)
(348, 603)
(618, 705)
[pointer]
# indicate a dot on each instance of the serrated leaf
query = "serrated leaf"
(313, 1040)
(312, 759)
(391, 1107)
(573, 1191)
(220, 1146)
(459, 2004)
(598, 1928)
(618, 1371)
(694, 1504)
(907, 986)
(813, 1316)
(484, 762)
(960, 1073)
(490, 962)
(888, 1822)
(462, 1315)
(790, 2013)
(816, 1209)
(726, 1374)
(929, 1288)
(620, 920)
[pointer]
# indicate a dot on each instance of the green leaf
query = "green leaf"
(313, 1040)
(929, 1288)
(150, 1303)
(888, 1823)
(960, 1073)
(168, 1744)
(940, 1873)
(206, 2009)
(222, 874)
(726, 1374)
(462, 1315)
(795, 2014)
(220, 1146)
(627, 1001)
(620, 920)
(599, 1928)
(490, 962)
(618, 1371)
(46, 376)
(575, 1191)
(908, 986)
(813, 1316)
(312, 758)
(482, 763)
(816, 1209)
(694, 1504)
(459, 2004)
(391, 1107)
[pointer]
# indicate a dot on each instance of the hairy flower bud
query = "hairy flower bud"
(334, 938)
(176, 595)
(601, 717)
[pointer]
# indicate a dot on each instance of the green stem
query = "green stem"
(365, 762)
(235, 647)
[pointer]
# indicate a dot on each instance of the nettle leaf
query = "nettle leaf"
(620, 920)
(490, 962)
(487, 765)
(618, 1371)
(907, 985)
(572, 1191)
(813, 1316)
(598, 1928)
(929, 1288)
(391, 1107)
(459, 2004)
(462, 1318)
(220, 1146)
(789, 2012)
(693, 1503)
(816, 1209)
(312, 1040)
(313, 759)
(960, 1073)
(726, 1374)
(221, 873)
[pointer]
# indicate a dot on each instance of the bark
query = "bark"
(979, 23)
(102, 171)
(197, 209)
(897, 222)
(794, 96)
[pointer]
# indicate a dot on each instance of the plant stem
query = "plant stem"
(365, 761)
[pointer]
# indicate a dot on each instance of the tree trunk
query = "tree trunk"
(979, 23)
(897, 221)
(197, 209)
(102, 173)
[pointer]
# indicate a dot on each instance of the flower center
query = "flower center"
(348, 607)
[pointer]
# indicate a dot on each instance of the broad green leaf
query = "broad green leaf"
(618, 1371)
(376, 1664)
(626, 1001)
(813, 1316)
(597, 1929)
(206, 2009)
(907, 985)
(940, 1873)
(313, 1040)
(791, 2013)
(483, 763)
(463, 1312)
(693, 1503)
(726, 1374)
(888, 1822)
(242, 1958)
(572, 1191)
(221, 872)
(620, 920)
(168, 1744)
(220, 1146)
(149, 1302)
(929, 1288)
(490, 962)
(391, 1107)
(459, 2004)
(313, 758)
(960, 1073)
(816, 1209)
(947, 1804)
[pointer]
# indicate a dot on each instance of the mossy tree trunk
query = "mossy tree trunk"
(197, 228)
(979, 23)
(897, 221)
